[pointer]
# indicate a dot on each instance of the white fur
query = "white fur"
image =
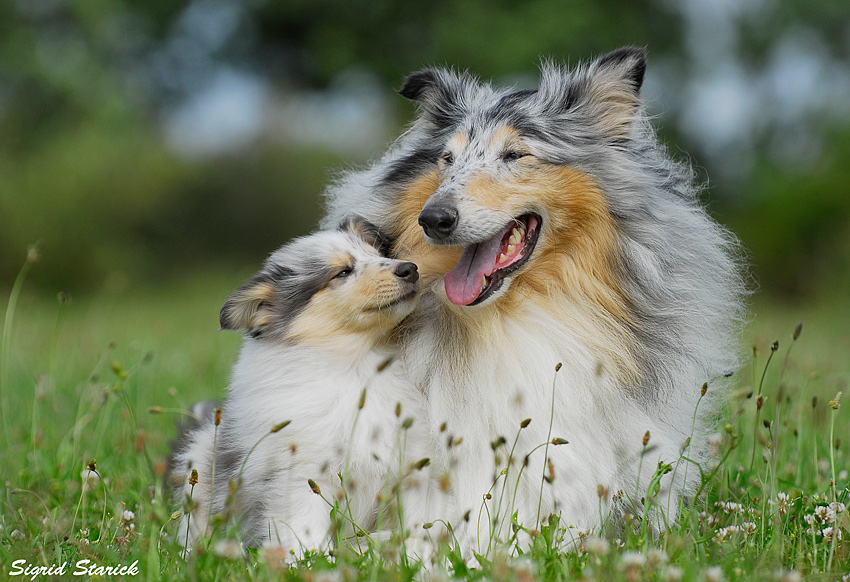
(317, 389)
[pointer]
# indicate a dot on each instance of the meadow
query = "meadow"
(90, 387)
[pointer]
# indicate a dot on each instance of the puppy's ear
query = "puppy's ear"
(367, 231)
(250, 306)
(607, 90)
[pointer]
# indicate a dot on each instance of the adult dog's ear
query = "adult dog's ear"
(441, 93)
(624, 67)
(607, 90)
(367, 231)
(418, 84)
(250, 306)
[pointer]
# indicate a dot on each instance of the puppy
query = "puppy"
(318, 322)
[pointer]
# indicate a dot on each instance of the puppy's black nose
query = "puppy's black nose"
(408, 272)
(438, 220)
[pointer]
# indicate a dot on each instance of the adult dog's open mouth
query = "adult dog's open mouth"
(484, 265)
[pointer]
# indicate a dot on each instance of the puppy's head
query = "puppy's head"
(323, 287)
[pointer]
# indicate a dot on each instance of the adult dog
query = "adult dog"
(553, 231)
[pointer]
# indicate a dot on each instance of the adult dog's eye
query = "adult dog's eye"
(512, 156)
(448, 158)
(344, 273)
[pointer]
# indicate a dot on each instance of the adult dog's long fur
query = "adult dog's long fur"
(618, 273)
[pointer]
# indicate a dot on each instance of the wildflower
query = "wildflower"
(835, 403)
(828, 532)
(274, 557)
(128, 516)
(17, 535)
(90, 479)
(809, 519)
(227, 549)
(631, 563)
(714, 574)
(749, 528)
(825, 514)
(632, 560)
(672, 574)
(782, 499)
(596, 546)
(656, 557)
(725, 532)
(730, 507)
(837, 507)
(788, 576)
(524, 570)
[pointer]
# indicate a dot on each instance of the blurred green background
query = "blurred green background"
(149, 142)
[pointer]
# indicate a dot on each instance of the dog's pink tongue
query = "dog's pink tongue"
(463, 283)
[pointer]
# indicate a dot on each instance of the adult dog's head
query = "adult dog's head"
(504, 188)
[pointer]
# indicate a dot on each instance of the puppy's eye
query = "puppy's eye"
(344, 273)
(512, 156)
(448, 158)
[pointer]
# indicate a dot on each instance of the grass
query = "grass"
(82, 460)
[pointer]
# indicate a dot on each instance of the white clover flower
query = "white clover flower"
(837, 507)
(17, 535)
(656, 557)
(672, 574)
(632, 560)
(810, 519)
(732, 507)
(596, 546)
(725, 532)
(714, 574)
(128, 516)
(825, 514)
(328, 576)
(828, 532)
(748, 527)
(229, 550)
(782, 499)
(788, 576)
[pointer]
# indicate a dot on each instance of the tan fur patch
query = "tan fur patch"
(572, 272)
(573, 267)
(507, 137)
(351, 311)
(433, 261)
(244, 306)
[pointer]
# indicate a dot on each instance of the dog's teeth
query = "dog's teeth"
(483, 281)
(502, 257)
(515, 237)
(511, 249)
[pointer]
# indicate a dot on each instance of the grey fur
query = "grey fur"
(682, 271)
(683, 274)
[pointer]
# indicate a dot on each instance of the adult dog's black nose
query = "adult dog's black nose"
(438, 220)
(407, 272)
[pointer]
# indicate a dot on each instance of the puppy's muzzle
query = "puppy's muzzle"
(407, 272)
